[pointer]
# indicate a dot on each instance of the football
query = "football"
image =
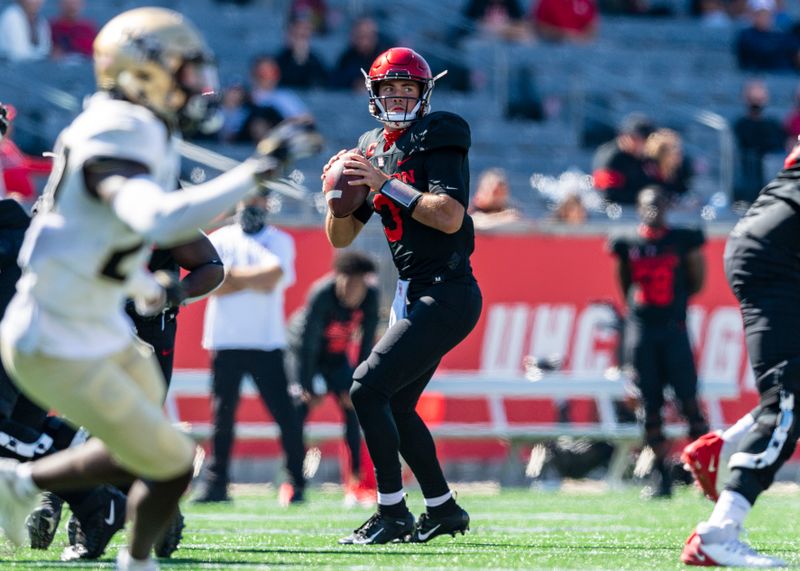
(343, 199)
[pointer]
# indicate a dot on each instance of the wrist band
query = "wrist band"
(403, 194)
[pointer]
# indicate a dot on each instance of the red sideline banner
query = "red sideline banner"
(540, 293)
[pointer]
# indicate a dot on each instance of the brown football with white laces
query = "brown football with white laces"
(342, 198)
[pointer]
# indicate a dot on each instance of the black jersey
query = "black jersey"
(160, 259)
(14, 222)
(431, 156)
(660, 290)
(321, 331)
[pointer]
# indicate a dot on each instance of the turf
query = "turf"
(512, 529)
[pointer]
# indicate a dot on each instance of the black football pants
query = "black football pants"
(269, 376)
(661, 356)
(388, 385)
(769, 299)
(160, 333)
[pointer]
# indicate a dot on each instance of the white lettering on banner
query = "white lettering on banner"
(722, 353)
(695, 319)
(594, 340)
(504, 338)
(587, 340)
(552, 329)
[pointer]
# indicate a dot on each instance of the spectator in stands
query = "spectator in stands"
(570, 210)
(560, 21)
(618, 166)
(265, 77)
(20, 170)
(300, 67)
(792, 122)
(235, 111)
(315, 11)
(659, 268)
(24, 33)
(363, 49)
(712, 14)
(491, 207)
(72, 34)
(501, 19)
(665, 164)
(756, 135)
(245, 331)
(762, 46)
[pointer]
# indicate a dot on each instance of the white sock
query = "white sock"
(731, 506)
(25, 486)
(733, 435)
(391, 499)
(433, 502)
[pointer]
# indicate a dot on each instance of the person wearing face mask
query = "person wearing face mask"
(245, 333)
(757, 134)
(341, 311)
(658, 269)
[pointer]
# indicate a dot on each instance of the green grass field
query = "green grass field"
(515, 529)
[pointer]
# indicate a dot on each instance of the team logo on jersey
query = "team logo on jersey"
(371, 149)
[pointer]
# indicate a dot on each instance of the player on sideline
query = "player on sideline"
(65, 338)
(417, 169)
(338, 308)
(762, 268)
(659, 269)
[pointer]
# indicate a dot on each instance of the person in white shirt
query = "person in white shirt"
(245, 331)
(65, 338)
(24, 32)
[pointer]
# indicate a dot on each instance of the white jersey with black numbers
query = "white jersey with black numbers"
(79, 260)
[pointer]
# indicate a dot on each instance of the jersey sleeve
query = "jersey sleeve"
(617, 246)
(441, 129)
(445, 170)
(311, 336)
(693, 238)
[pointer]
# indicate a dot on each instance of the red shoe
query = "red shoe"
(288, 495)
(693, 554)
(701, 458)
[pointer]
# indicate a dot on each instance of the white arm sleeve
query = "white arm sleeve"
(168, 218)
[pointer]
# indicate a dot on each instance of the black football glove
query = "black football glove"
(174, 293)
(289, 141)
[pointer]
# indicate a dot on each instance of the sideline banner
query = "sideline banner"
(541, 296)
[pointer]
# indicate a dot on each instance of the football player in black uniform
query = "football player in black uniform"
(417, 169)
(762, 265)
(339, 307)
(658, 269)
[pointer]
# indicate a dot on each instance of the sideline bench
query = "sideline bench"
(497, 389)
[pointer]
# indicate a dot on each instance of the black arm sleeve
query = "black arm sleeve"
(369, 324)
(312, 335)
(447, 173)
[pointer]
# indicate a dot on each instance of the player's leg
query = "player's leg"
(109, 397)
(339, 380)
(643, 353)
(160, 333)
(409, 349)
(269, 376)
(228, 369)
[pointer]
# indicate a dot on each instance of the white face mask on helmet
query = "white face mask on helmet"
(399, 63)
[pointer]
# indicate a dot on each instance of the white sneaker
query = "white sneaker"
(14, 507)
(720, 546)
(127, 563)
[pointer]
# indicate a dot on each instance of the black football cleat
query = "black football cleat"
(171, 539)
(380, 529)
(428, 526)
(101, 516)
(43, 522)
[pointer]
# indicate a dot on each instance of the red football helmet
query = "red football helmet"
(399, 63)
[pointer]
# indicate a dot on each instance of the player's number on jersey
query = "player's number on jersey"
(114, 268)
(390, 215)
(656, 284)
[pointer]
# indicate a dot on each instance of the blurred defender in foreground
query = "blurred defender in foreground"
(65, 338)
